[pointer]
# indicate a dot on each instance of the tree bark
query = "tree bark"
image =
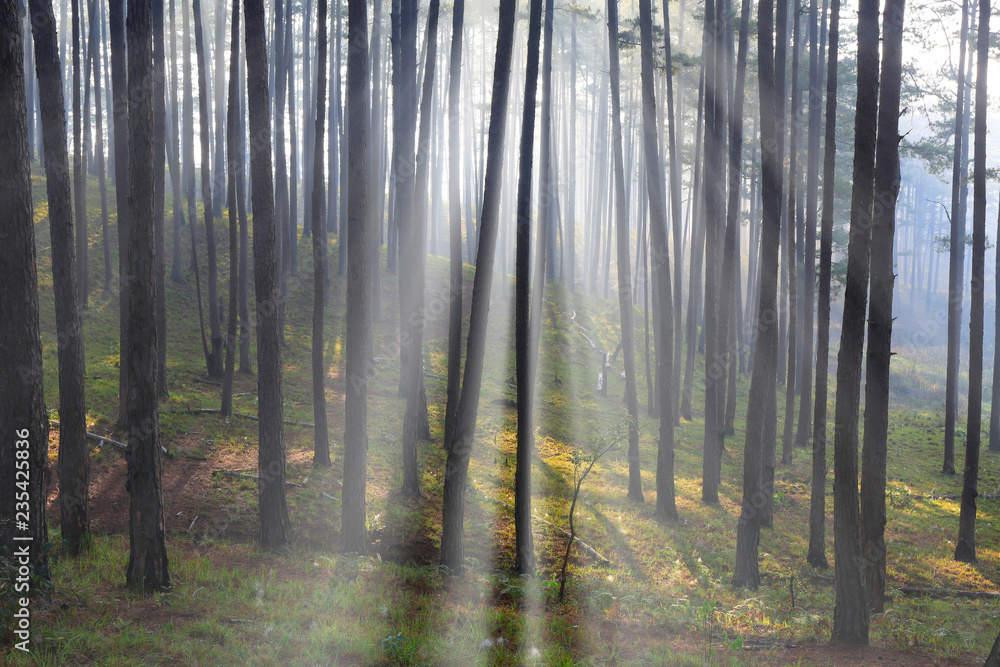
(22, 403)
(119, 83)
(965, 547)
(850, 616)
(352, 532)
(147, 565)
(880, 316)
(234, 168)
(457, 466)
(275, 529)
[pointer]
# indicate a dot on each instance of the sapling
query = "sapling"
(584, 461)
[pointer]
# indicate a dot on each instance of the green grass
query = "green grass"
(665, 599)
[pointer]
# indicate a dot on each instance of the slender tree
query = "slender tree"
(79, 165)
(817, 493)
(321, 452)
(74, 457)
(524, 548)
(23, 417)
(147, 564)
(666, 508)
(624, 263)
(965, 547)
(215, 359)
(873, 515)
(956, 257)
(457, 466)
(119, 84)
(159, 165)
(850, 617)
(352, 533)
(275, 529)
(236, 213)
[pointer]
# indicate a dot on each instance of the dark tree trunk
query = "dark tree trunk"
(850, 617)
(275, 529)
(119, 83)
(413, 262)
(282, 33)
(23, 418)
(815, 99)
(762, 382)
(172, 155)
(455, 227)
(321, 452)
(880, 315)
(74, 457)
(457, 467)
(79, 166)
(956, 258)
(221, 136)
(101, 171)
(147, 563)
(817, 494)
(666, 508)
(965, 548)
(524, 548)
(246, 365)
(214, 360)
(625, 307)
(359, 324)
(159, 165)
(234, 170)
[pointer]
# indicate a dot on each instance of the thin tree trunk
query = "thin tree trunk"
(119, 82)
(457, 466)
(965, 548)
(234, 167)
(159, 167)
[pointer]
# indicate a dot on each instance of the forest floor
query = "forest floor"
(663, 599)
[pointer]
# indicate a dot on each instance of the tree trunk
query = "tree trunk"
(74, 457)
(457, 466)
(455, 227)
(359, 324)
(274, 525)
(625, 307)
(880, 316)
(965, 548)
(159, 166)
(24, 450)
(119, 82)
(524, 548)
(79, 167)
(101, 172)
(147, 563)
(172, 156)
(817, 494)
(321, 452)
(956, 258)
(666, 508)
(762, 383)
(850, 617)
(233, 169)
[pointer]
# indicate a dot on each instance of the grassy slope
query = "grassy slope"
(665, 598)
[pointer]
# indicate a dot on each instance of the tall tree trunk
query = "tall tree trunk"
(625, 307)
(159, 166)
(119, 82)
(172, 156)
(815, 99)
(147, 563)
(850, 617)
(457, 466)
(79, 167)
(666, 508)
(956, 258)
(234, 170)
(23, 417)
(101, 173)
(524, 548)
(74, 457)
(219, 183)
(275, 529)
(965, 548)
(880, 316)
(359, 324)
(817, 493)
(321, 452)
(455, 227)
(762, 382)
(214, 360)
(282, 33)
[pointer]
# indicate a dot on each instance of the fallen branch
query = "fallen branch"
(246, 476)
(108, 441)
(946, 593)
(953, 496)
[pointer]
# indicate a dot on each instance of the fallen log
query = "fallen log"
(241, 415)
(108, 441)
